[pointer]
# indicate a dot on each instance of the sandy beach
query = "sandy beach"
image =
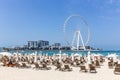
(103, 73)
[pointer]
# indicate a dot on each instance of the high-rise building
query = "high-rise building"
(42, 43)
(56, 45)
(32, 44)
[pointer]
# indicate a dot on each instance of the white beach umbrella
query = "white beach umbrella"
(35, 59)
(29, 56)
(115, 57)
(53, 57)
(93, 56)
(41, 58)
(112, 55)
(32, 54)
(46, 54)
(72, 55)
(6, 53)
(20, 55)
(76, 54)
(80, 56)
(100, 54)
(60, 56)
(64, 54)
(17, 56)
(88, 58)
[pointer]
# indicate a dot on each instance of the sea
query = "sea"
(68, 52)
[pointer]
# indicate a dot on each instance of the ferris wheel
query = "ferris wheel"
(76, 32)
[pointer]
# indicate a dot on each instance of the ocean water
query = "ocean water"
(50, 53)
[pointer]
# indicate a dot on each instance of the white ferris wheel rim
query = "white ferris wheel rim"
(86, 24)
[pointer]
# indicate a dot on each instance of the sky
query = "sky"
(27, 20)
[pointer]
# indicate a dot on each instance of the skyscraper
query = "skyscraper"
(42, 43)
(32, 44)
(56, 45)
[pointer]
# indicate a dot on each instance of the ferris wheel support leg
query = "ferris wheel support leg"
(74, 37)
(82, 41)
(78, 39)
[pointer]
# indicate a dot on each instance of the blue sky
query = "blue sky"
(24, 20)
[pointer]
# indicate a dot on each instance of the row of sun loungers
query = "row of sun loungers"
(43, 67)
(114, 65)
(65, 68)
(92, 69)
(66, 64)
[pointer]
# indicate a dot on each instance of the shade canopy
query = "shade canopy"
(5, 53)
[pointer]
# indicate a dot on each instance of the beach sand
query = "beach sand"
(103, 73)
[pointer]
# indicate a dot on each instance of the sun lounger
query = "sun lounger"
(72, 63)
(117, 70)
(77, 64)
(24, 65)
(110, 65)
(17, 65)
(10, 64)
(115, 63)
(67, 68)
(97, 64)
(36, 66)
(59, 67)
(44, 67)
(92, 68)
(83, 68)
